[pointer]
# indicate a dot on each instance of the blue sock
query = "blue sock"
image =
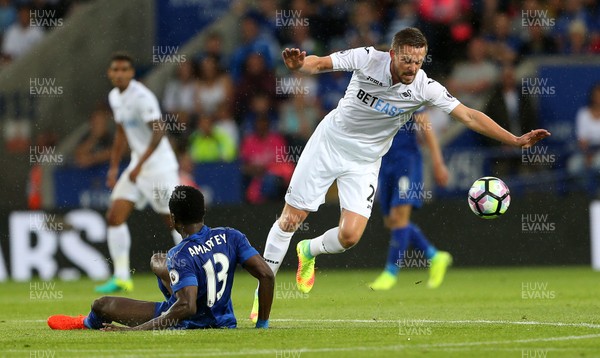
(94, 322)
(398, 246)
(163, 289)
(419, 242)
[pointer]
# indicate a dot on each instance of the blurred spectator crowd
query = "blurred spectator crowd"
(245, 106)
(24, 23)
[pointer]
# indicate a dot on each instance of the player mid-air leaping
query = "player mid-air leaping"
(347, 146)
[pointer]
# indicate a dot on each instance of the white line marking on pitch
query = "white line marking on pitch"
(480, 321)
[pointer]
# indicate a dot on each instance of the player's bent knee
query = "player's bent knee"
(100, 305)
(348, 239)
(398, 224)
(113, 219)
(399, 217)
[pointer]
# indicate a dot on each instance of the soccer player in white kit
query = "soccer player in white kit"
(151, 175)
(347, 146)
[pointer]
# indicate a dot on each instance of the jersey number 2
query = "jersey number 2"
(370, 197)
(212, 295)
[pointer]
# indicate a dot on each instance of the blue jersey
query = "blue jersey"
(401, 173)
(208, 260)
(405, 141)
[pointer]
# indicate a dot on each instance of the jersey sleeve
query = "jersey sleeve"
(351, 60)
(148, 107)
(243, 249)
(181, 270)
(581, 130)
(112, 102)
(438, 96)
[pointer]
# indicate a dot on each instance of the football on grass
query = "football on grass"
(489, 197)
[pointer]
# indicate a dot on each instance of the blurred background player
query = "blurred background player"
(400, 190)
(585, 163)
(198, 273)
(151, 174)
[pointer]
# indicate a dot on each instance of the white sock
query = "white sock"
(328, 243)
(176, 237)
(119, 242)
(278, 242)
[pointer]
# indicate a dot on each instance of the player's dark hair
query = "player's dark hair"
(187, 205)
(410, 36)
(122, 56)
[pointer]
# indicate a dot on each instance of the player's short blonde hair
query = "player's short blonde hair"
(410, 36)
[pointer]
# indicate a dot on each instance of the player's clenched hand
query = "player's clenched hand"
(134, 173)
(530, 138)
(441, 175)
(293, 58)
(111, 177)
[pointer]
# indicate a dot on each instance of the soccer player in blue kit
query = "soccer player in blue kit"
(200, 271)
(400, 190)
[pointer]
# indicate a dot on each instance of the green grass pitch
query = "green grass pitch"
(520, 312)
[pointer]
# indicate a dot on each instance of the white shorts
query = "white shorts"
(155, 188)
(319, 165)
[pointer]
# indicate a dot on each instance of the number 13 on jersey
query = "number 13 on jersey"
(212, 278)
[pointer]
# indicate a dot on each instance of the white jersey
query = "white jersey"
(373, 109)
(134, 108)
(587, 127)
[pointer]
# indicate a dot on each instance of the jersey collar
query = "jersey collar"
(199, 235)
(129, 87)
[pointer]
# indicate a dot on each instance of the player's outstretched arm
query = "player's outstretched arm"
(481, 123)
(297, 60)
(258, 268)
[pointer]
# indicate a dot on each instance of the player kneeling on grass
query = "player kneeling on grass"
(196, 280)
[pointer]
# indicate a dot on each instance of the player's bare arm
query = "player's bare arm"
(297, 60)
(481, 123)
(258, 268)
(157, 134)
(440, 171)
(118, 149)
(584, 147)
(183, 308)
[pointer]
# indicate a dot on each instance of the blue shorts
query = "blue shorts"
(201, 322)
(401, 182)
